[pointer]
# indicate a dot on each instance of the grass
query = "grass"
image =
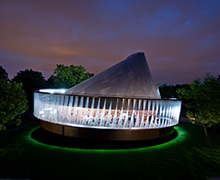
(186, 156)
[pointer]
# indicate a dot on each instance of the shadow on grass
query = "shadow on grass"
(49, 138)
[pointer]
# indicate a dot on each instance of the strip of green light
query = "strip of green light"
(183, 135)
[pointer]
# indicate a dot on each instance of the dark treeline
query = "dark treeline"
(25, 82)
(16, 94)
(170, 91)
(62, 77)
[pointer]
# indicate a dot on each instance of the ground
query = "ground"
(185, 157)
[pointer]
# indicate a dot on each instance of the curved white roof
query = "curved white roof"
(131, 78)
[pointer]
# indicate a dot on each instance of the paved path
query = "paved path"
(185, 119)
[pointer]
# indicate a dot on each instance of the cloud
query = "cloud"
(180, 38)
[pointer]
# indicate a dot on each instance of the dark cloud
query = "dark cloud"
(180, 38)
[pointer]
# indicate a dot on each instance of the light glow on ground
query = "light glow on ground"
(182, 136)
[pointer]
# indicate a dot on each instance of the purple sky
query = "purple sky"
(181, 39)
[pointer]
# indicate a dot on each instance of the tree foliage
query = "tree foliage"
(12, 102)
(67, 76)
(169, 91)
(203, 100)
(31, 80)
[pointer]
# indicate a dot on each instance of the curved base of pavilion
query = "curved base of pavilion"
(106, 134)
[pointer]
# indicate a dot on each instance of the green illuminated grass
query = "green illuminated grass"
(186, 156)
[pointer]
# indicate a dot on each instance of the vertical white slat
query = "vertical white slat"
(85, 112)
(53, 110)
(65, 108)
(109, 115)
(39, 105)
(164, 114)
(57, 108)
(148, 114)
(79, 118)
(60, 119)
(75, 110)
(133, 115)
(126, 119)
(121, 114)
(36, 104)
(46, 105)
(142, 119)
(156, 118)
(102, 118)
(169, 116)
(152, 114)
(115, 115)
(160, 113)
(91, 113)
(137, 124)
(70, 106)
(177, 111)
(97, 113)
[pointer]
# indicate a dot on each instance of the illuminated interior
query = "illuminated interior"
(105, 112)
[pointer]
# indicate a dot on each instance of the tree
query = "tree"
(203, 101)
(68, 76)
(169, 91)
(3, 73)
(12, 102)
(50, 82)
(31, 80)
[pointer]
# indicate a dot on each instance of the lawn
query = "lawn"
(185, 157)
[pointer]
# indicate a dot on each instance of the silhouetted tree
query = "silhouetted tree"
(3, 73)
(67, 76)
(12, 102)
(50, 82)
(31, 80)
(169, 91)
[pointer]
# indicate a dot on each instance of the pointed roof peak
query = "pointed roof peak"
(135, 54)
(130, 78)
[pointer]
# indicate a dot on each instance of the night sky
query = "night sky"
(180, 39)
